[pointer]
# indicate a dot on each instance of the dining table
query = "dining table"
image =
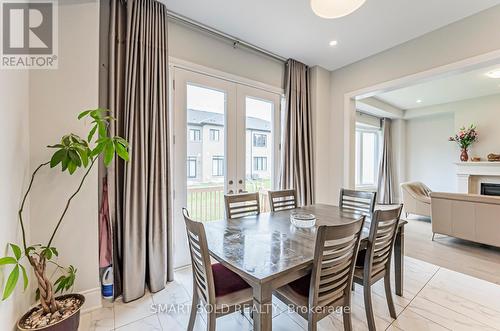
(268, 251)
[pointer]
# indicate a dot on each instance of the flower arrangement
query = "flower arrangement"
(465, 137)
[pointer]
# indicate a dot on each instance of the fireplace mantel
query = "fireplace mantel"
(471, 174)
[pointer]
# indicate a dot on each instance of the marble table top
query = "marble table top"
(264, 246)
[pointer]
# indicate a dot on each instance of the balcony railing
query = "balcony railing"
(207, 203)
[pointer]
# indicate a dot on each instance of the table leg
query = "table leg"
(263, 308)
(399, 254)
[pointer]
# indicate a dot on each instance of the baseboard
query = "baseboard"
(93, 299)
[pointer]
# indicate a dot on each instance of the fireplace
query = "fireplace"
(490, 189)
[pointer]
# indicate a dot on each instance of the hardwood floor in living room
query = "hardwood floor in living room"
(476, 260)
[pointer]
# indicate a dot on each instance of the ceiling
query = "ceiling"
(290, 29)
(462, 86)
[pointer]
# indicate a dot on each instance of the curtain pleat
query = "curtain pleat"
(297, 170)
(138, 96)
(386, 191)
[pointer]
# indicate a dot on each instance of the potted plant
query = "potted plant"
(71, 153)
(465, 138)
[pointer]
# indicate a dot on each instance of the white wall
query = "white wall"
(56, 98)
(14, 175)
(447, 119)
(205, 49)
(470, 37)
(482, 111)
(430, 156)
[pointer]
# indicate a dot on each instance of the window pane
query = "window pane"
(369, 154)
(259, 144)
(206, 109)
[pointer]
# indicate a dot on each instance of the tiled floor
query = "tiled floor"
(435, 299)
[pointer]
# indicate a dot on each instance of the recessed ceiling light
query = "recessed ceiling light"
(333, 43)
(494, 73)
(419, 101)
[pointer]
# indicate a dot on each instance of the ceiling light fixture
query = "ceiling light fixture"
(335, 8)
(494, 73)
(419, 101)
(333, 43)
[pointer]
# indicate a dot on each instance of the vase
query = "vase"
(464, 157)
(69, 323)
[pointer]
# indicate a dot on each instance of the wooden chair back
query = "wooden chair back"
(334, 262)
(358, 201)
(282, 200)
(241, 205)
(383, 230)
(203, 280)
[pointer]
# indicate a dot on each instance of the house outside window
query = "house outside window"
(218, 166)
(214, 134)
(194, 134)
(192, 167)
(260, 163)
(367, 156)
(259, 140)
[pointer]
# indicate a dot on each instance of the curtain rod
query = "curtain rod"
(236, 42)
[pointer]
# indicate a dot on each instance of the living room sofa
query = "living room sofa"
(467, 216)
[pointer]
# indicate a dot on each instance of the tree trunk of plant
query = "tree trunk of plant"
(47, 297)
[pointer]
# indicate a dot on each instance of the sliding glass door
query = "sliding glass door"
(225, 142)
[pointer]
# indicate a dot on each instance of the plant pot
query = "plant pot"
(464, 157)
(70, 323)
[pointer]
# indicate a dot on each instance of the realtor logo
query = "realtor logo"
(29, 34)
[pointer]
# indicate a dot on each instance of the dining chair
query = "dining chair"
(374, 262)
(328, 287)
(240, 205)
(221, 290)
(358, 201)
(282, 200)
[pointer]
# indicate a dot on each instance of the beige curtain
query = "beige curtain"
(386, 191)
(136, 92)
(297, 170)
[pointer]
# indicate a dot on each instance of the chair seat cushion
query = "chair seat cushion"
(226, 281)
(302, 285)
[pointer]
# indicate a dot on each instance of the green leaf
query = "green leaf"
(102, 129)
(98, 149)
(8, 260)
(25, 276)
(58, 157)
(31, 248)
(66, 140)
(75, 158)
(47, 252)
(55, 146)
(83, 114)
(84, 156)
(11, 282)
(109, 152)
(54, 250)
(16, 250)
(64, 163)
(91, 133)
(61, 285)
(121, 141)
(37, 294)
(121, 151)
(72, 167)
(59, 279)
